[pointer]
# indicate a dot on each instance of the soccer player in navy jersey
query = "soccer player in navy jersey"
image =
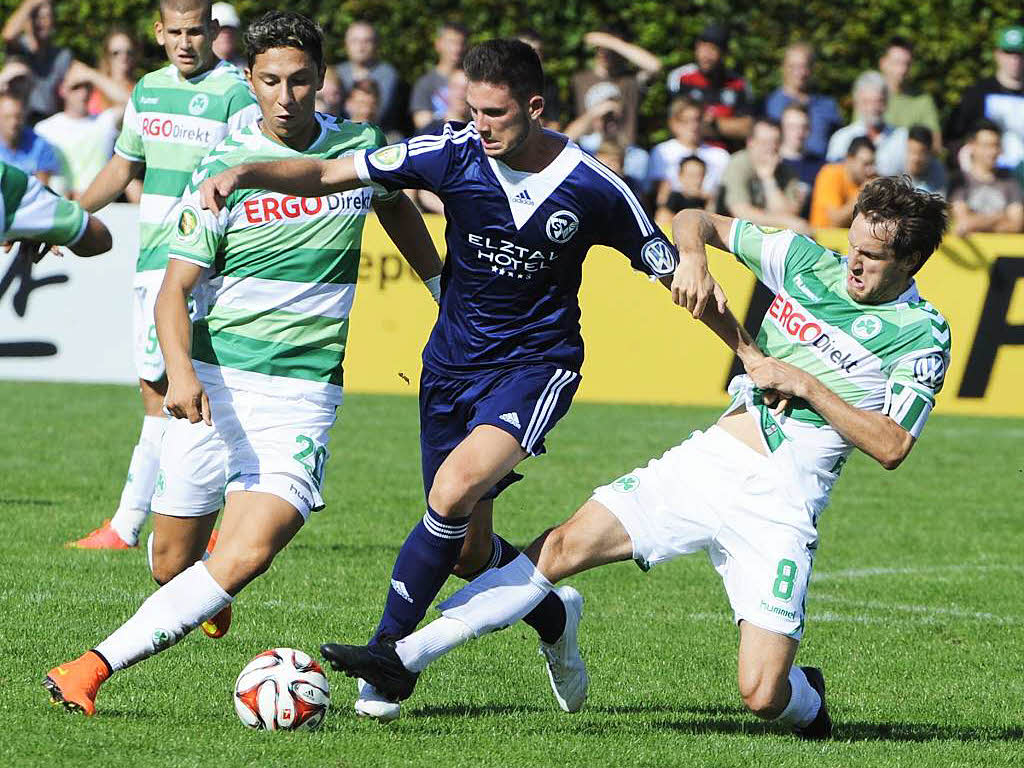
(523, 207)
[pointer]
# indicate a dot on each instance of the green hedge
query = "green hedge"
(953, 37)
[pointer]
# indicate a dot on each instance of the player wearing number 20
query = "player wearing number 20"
(859, 354)
(273, 278)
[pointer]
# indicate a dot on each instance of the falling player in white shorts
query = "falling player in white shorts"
(857, 357)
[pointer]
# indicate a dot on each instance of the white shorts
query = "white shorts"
(714, 493)
(258, 442)
(149, 360)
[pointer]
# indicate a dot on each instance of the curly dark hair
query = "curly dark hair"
(284, 29)
(917, 220)
(507, 62)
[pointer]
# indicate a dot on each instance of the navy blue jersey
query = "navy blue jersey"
(516, 243)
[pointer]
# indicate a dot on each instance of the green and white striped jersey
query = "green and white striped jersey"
(272, 309)
(32, 211)
(170, 124)
(889, 357)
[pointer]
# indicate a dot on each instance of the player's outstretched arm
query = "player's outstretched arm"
(299, 177)
(95, 239)
(185, 397)
(875, 433)
(110, 183)
(693, 286)
(404, 225)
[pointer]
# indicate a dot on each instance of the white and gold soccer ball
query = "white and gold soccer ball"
(282, 690)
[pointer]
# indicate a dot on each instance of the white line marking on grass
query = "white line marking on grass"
(860, 573)
(930, 611)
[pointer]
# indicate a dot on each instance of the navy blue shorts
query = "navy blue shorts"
(525, 401)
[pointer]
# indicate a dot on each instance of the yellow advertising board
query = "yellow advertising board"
(640, 348)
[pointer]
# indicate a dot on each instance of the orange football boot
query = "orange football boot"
(103, 537)
(218, 624)
(75, 684)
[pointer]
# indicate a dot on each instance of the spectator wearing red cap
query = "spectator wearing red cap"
(724, 95)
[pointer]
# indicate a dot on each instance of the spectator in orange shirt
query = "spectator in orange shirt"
(838, 184)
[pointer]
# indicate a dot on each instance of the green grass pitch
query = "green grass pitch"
(915, 609)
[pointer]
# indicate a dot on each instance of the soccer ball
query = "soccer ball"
(282, 690)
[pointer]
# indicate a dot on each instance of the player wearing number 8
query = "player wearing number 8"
(749, 489)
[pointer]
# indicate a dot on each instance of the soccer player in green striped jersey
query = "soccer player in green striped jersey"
(30, 211)
(175, 116)
(856, 356)
(255, 383)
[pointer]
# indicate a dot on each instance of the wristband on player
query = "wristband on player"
(434, 286)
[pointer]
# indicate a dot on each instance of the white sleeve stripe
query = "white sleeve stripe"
(646, 227)
(734, 233)
(422, 149)
(446, 135)
(359, 160)
(81, 231)
(126, 156)
(189, 259)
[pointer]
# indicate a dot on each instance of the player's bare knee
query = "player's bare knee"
(558, 555)
(451, 494)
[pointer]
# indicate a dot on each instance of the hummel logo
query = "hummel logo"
(399, 587)
(523, 198)
(511, 418)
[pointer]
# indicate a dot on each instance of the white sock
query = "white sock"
(138, 488)
(498, 598)
(804, 701)
(432, 642)
(170, 613)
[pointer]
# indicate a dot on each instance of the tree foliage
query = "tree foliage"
(953, 38)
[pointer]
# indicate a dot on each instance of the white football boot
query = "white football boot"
(566, 670)
(369, 703)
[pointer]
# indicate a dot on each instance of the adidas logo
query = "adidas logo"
(523, 198)
(399, 587)
(512, 417)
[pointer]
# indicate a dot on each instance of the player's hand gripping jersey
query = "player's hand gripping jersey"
(170, 124)
(516, 243)
(878, 357)
(273, 309)
(32, 211)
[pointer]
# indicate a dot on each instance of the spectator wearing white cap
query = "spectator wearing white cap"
(870, 99)
(225, 44)
(604, 120)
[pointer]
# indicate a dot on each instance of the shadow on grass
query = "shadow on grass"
(476, 710)
(727, 720)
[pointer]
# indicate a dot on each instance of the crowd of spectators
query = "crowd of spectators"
(786, 159)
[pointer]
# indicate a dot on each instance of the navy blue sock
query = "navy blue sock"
(548, 618)
(423, 565)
